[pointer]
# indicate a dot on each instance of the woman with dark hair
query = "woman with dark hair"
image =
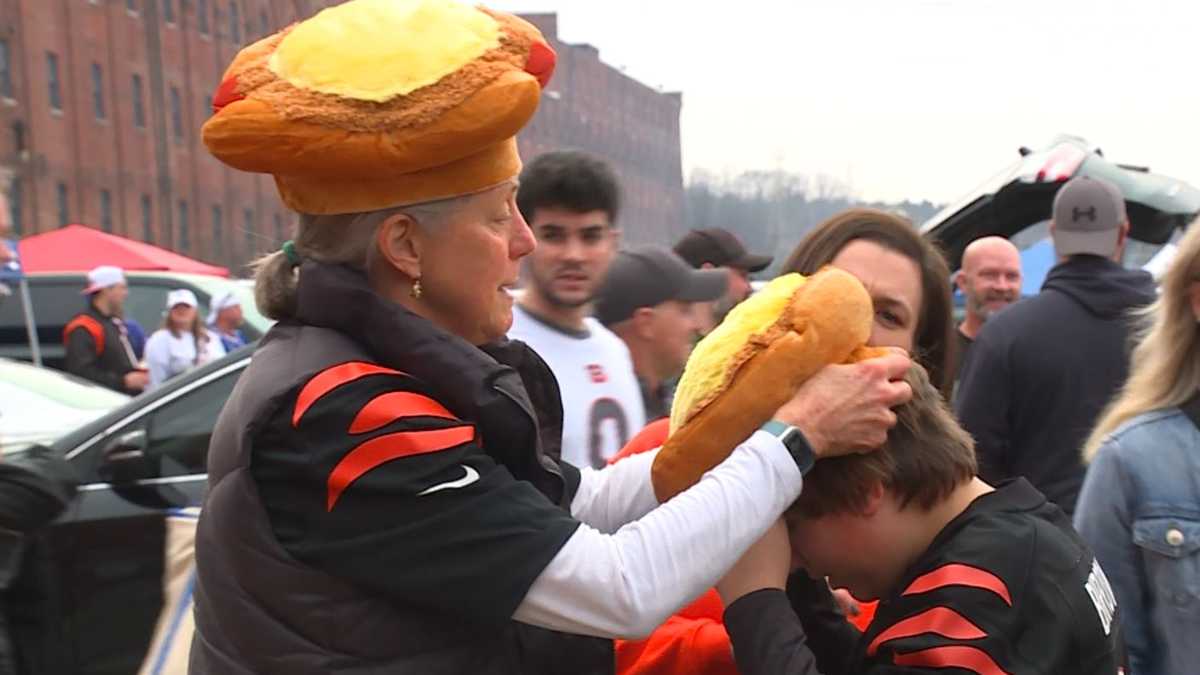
(906, 275)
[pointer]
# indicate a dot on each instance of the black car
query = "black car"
(1016, 203)
(91, 590)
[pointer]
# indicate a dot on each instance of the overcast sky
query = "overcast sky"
(919, 99)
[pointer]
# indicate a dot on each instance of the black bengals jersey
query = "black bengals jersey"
(370, 478)
(1007, 587)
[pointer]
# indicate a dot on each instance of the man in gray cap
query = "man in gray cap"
(648, 300)
(1041, 371)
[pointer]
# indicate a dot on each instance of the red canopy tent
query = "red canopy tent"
(78, 248)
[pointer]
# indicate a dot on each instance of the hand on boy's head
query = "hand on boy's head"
(846, 409)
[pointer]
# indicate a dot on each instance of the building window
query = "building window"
(14, 206)
(52, 81)
(147, 220)
(139, 103)
(248, 230)
(60, 200)
(235, 21)
(208, 109)
(98, 91)
(218, 235)
(131, 6)
(106, 211)
(262, 23)
(279, 238)
(6, 85)
(168, 7)
(176, 114)
(185, 242)
(202, 16)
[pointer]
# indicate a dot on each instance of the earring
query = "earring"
(416, 289)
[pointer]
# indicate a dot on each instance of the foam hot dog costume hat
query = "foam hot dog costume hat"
(753, 363)
(379, 103)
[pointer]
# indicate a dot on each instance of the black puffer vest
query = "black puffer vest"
(259, 610)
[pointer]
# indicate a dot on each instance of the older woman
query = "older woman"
(384, 492)
(1140, 503)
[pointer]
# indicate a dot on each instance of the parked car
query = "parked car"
(92, 589)
(37, 405)
(56, 299)
(1016, 204)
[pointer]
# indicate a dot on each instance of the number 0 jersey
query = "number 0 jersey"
(602, 402)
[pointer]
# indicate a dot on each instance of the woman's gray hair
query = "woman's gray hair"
(341, 239)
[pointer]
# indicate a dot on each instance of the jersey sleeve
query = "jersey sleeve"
(368, 477)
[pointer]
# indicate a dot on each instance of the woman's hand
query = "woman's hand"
(848, 408)
(763, 565)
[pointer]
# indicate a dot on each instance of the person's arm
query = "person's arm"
(767, 636)
(1103, 517)
(982, 407)
(615, 495)
(627, 583)
(773, 631)
(82, 360)
(158, 358)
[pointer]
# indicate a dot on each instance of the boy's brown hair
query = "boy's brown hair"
(927, 455)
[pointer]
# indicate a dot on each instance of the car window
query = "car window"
(177, 434)
(145, 305)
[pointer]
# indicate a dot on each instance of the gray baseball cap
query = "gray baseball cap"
(1088, 213)
(646, 276)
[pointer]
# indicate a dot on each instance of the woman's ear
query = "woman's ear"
(398, 242)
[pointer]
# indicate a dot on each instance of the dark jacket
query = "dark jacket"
(1041, 371)
(381, 497)
(99, 350)
(1005, 587)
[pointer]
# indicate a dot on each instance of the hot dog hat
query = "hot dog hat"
(379, 103)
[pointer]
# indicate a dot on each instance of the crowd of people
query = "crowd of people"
(107, 347)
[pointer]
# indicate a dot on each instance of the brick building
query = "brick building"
(101, 102)
(592, 106)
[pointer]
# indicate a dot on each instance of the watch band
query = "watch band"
(795, 442)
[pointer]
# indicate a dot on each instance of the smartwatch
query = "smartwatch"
(795, 442)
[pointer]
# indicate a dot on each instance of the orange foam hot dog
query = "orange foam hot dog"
(753, 363)
(379, 103)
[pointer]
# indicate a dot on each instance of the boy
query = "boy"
(971, 578)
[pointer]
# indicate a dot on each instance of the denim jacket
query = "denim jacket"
(1140, 511)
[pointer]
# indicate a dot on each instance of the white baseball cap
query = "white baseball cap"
(103, 277)
(222, 301)
(181, 296)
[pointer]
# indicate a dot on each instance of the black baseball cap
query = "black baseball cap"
(720, 248)
(646, 276)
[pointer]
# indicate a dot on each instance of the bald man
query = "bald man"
(990, 279)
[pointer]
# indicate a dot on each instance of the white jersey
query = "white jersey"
(602, 402)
